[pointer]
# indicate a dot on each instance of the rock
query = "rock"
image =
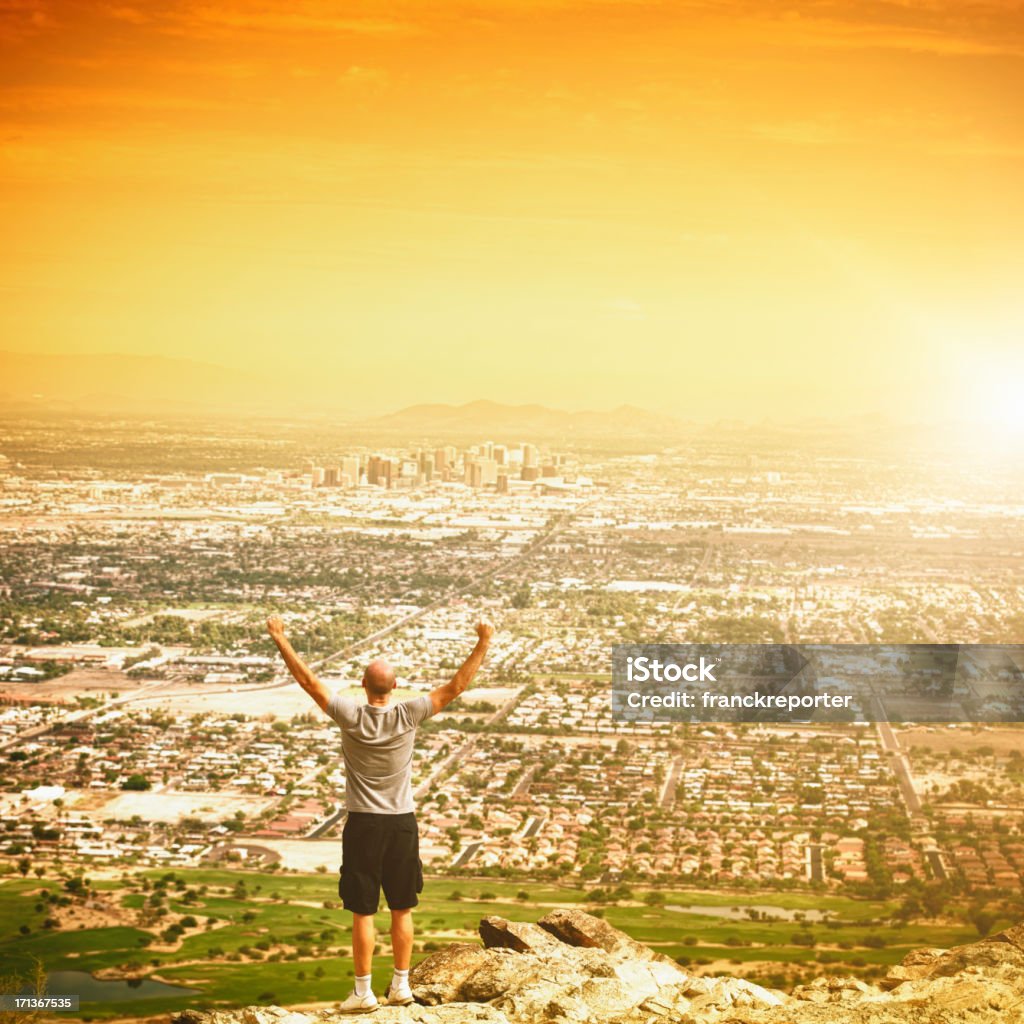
(451, 1013)
(925, 956)
(646, 977)
(696, 986)
(1014, 936)
(454, 1013)
(501, 972)
(441, 976)
(577, 928)
(832, 990)
(989, 953)
(983, 994)
(669, 1002)
(729, 993)
(918, 963)
(931, 963)
(271, 1015)
(609, 997)
(522, 936)
(543, 999)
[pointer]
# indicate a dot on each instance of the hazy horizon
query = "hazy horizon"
(79, 394)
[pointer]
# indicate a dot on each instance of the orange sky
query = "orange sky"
(722, 208)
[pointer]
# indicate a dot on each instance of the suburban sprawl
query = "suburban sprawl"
(161, 769)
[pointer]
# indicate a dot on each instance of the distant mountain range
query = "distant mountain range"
(510, 421)
(127, 384)
(117, 385)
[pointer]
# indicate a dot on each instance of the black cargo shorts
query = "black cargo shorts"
(380, 850)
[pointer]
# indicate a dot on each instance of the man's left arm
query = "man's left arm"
(298, 668)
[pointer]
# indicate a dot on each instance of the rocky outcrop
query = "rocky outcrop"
(572, 968)
(569, 967)
(579, 929)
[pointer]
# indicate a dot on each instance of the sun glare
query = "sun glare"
(996, 405)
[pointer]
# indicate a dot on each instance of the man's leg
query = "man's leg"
(363, 939)
(401, 938)
(359, 888)
(402, 879)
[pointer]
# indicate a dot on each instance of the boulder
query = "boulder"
(977, 997)
(450, 1013)
(989, 954)
(918, 963)
(522, 936)
(501, 972)
(835, 990)
(669, 1002)
(729, 994)
(441, 976)
(647, 977)
(453, 1013)
(925, 956)
(544, 999)
(1014, 936)
(576, 928)
(272, 1015)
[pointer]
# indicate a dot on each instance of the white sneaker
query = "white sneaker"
(359, 1004)
(399, 997)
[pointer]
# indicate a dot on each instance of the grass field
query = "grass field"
(940, 739)
(287, 915)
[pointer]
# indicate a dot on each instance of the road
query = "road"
(815, 863)
(900, 763)
(667, 797)
(905, 780)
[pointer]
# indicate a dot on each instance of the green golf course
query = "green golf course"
(267, 938)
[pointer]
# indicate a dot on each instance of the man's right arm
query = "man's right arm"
(298, 668)
(442, 696)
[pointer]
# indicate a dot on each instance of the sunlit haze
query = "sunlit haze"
(715, 209)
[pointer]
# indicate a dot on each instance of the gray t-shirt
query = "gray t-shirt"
(377, 745)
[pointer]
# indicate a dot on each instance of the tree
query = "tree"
(136, 782)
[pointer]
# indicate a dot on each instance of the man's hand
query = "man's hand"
(275, 627)
(484, 630)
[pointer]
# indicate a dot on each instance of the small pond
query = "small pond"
(112, 990)
(764, 910)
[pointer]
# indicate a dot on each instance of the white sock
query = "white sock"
(400, 981)
(363, 984)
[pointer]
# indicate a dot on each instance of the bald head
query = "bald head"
(379, 678)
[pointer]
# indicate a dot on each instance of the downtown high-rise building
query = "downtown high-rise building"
(350, 476)
(380, 471)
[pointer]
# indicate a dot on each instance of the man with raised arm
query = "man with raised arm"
(380, 841)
